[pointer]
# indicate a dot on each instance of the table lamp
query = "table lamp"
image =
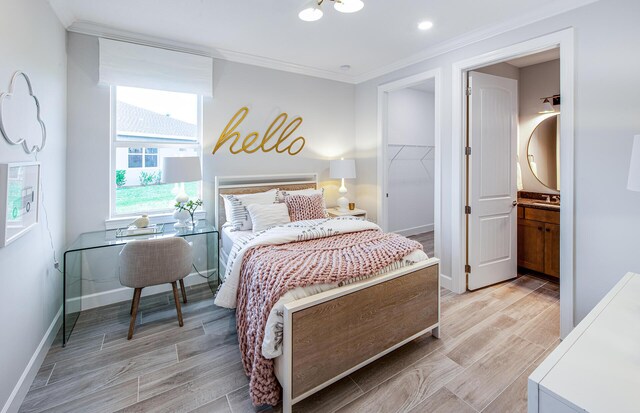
(343, 169)
(178, 170)
(633, 183)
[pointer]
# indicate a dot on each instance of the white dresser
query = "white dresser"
(597, 367)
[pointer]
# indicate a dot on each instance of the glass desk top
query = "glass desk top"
(100, 239)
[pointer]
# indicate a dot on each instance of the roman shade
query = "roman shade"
(134, 65)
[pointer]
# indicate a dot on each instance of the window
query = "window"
(143, 158)
(148, 126)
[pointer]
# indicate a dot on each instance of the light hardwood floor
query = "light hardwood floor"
(491, 341)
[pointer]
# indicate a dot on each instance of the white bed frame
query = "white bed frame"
(370, 318)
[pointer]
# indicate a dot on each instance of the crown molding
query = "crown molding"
(476, 36)
(68, 19)
(99, 30)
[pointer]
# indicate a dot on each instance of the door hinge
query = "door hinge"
(467, 269)
(467, 210)
(468, 91)
(467, 150)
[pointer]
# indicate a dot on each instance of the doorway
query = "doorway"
(409, 158)
(463, 165)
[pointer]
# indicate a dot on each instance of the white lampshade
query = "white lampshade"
(633, 184)
(343, 168)
(348, 6)
(311, 12)
(176, 170)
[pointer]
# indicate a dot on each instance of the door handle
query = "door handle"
(514, 203)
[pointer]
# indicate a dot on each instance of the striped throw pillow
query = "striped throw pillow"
(236, 207)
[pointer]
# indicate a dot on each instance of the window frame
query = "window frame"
(157, 216)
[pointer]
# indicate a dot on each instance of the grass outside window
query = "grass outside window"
(151, 198)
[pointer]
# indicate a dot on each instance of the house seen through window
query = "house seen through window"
(151, 125)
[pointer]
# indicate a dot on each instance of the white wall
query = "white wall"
(606, 119)
(328, 125)
(411, 120)
(535, 82)
(33, 40)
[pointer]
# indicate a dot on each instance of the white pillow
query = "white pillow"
(305, 192)
(236, 207)
(266, 216)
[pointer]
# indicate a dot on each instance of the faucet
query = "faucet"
(556, 199)
(547, 198)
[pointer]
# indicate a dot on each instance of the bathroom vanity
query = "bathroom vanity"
(539, 233)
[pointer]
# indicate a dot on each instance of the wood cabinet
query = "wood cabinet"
(552, 249)
(539, 240)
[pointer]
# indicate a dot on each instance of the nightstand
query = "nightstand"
(335, 212)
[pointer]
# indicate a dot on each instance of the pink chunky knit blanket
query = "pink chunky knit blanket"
(269, 271)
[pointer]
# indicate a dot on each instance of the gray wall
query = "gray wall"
(328, 125)
(535, 82)
(33, 40)
(605, 121)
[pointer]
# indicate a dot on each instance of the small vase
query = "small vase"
(192, 223)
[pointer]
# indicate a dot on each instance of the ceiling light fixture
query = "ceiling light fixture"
(425, 25)
(348, 6)
(311, 12)
(313, 9)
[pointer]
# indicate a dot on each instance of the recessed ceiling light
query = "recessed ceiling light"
(425, 25)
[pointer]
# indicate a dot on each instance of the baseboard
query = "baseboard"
(407, 232)
(24, 383)
(125, 293)
(446, 282)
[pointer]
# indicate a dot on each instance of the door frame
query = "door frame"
(565, 40)
(383, 138)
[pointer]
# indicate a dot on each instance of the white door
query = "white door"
(492, 186)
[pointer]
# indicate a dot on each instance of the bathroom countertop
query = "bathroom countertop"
(538, 204)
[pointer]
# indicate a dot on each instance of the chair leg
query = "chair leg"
(184, 292)
(134, 311)
(132, 301)
(176, 298)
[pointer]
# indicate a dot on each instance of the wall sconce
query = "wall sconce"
(548, 104)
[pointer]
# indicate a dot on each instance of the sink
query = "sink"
(546, 204)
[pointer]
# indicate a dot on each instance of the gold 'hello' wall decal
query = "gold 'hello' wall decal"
(250, 143)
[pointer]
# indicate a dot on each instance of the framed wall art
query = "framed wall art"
(19, 196)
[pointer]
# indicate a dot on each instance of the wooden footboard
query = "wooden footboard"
(329, 335)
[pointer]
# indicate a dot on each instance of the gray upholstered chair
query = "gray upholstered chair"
(152, 262)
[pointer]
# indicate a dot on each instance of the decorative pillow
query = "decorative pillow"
(303, 207)
(308, 192)
(236, 207)
(266, 216)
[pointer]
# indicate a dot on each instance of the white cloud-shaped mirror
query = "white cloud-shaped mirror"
(20, 121)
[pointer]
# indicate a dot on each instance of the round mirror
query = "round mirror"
(543, 152)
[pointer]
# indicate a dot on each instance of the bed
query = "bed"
(370, 317)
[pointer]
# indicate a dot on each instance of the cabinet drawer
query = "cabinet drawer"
(552, 217)
(520, 212)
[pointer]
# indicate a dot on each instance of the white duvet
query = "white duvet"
(283, 234)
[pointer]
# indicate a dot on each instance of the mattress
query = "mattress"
(229, 237)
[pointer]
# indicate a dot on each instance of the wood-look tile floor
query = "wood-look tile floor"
(426, 239)
(491, 341)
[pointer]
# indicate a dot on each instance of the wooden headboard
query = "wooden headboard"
(251, 184)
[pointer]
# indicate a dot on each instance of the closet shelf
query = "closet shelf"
(429, 150)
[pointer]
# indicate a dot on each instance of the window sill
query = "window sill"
(161, 218)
